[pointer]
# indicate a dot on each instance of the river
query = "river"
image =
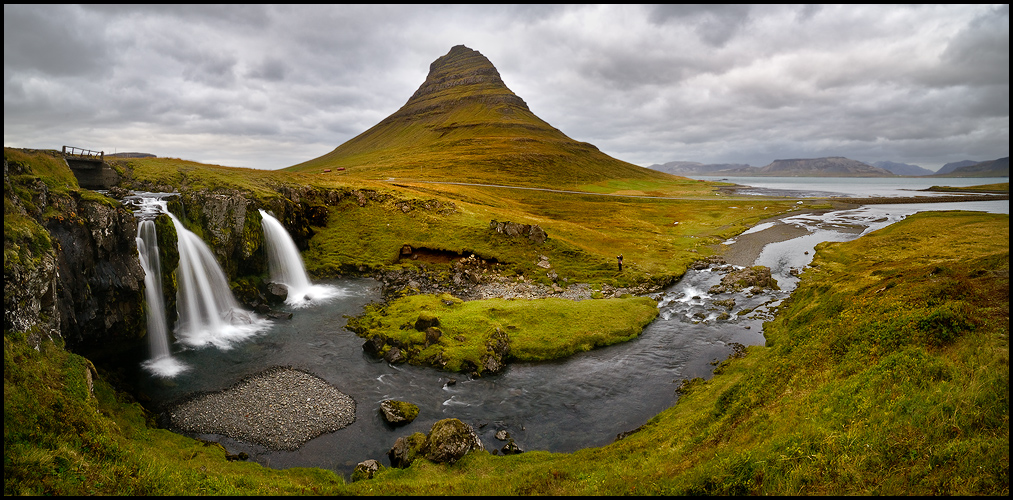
(560, 406)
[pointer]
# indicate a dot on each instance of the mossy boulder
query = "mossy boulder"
(448, 441)
(398, 412)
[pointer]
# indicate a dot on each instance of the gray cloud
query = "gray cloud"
(269, 86)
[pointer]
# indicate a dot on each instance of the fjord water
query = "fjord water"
(582, 401)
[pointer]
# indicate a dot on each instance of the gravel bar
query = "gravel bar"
(280, 408)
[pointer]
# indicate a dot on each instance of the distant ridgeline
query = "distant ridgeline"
(837, 166)
(464, 124)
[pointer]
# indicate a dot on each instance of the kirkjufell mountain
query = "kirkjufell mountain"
(464, 125)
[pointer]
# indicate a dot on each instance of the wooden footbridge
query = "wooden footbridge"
(90, 168)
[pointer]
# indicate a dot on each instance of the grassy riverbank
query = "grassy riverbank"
(887, 372)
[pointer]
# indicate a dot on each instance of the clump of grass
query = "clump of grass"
(537, 330)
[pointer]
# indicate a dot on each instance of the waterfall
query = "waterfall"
(286, 265)
(208, 313)
(161, 362)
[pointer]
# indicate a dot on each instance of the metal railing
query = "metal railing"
(84, 153)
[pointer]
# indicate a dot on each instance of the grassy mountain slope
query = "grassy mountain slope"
(463, 124)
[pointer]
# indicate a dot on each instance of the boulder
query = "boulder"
(398, 412)
(511, 448)
(433, 335)
(365, 470)
(757, 278)
(426, 320)
(406, 449)
(449, 440)
(374, 345)
(277, 293)
(394, 356)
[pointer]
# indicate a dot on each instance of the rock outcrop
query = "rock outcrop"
(398, 412)
(513, 229)
(447, 442)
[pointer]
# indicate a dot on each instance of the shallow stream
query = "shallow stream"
(561, 406)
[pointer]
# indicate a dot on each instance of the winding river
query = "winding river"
(560, 406)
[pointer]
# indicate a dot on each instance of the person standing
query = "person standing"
(620, 259)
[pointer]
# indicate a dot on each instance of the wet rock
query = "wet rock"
(374, 345)
(502, 435)
(756, 278)
(511, 448)
(394, 356)
(497, 348)
(406, 449)
(398, 412)
(276, 293)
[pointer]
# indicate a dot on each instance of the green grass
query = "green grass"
(538, 330)
(1002, 187)
(886, 373)
(863, 388)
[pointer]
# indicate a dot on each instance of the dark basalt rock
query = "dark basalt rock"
(448, 441)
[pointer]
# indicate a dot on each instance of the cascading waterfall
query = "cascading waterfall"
(208, 313)
(286, 265)
(161, 363)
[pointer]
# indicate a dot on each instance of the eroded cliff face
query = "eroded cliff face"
(70, 261)
(100, 282)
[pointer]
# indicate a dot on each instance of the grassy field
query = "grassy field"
(1002, 187)
(887, 372)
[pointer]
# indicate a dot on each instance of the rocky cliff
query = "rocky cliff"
(70, 260)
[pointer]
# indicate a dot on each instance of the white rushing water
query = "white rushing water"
(161, 363)
(287, 268)
(208, 313)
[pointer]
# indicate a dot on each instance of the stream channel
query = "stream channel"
(582, 401)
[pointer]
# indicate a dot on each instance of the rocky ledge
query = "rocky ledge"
(280, 408)
(472, 278)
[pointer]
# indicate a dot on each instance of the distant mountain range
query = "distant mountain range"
(902, 168)
(836, 166)
(991, 168)
(831, 166)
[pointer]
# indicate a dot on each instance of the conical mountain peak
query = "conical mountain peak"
(464, 124)
(461, 74)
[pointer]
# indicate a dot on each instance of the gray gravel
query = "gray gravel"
(280, 408)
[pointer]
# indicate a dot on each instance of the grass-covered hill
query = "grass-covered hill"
(464, 124)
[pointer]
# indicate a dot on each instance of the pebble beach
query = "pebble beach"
(279, 408)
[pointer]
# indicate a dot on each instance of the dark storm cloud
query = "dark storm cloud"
(58, 42)
(714, 24)
(273, 85)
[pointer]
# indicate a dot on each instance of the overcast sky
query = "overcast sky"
(270, 86)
